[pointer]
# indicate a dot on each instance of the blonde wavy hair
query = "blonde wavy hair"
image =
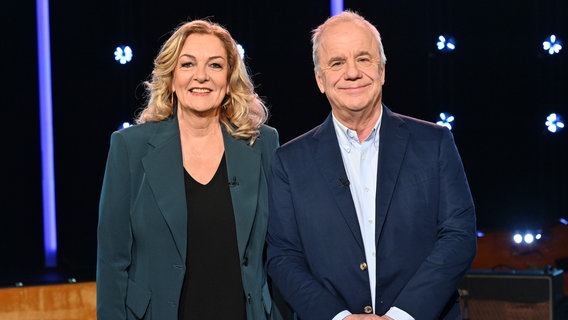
(242, 110)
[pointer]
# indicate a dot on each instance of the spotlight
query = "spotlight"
(529, 238)
(518, 238)
(123, 54)
(553, 45)
(241, 50)
(554, 123)
(446, 43)
(125, 124)
(446, 120)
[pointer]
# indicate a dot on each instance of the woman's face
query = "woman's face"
(200, 75)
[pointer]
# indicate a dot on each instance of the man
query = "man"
(371, 216)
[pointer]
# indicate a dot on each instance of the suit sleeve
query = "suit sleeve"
(114, 233)
(437, 278)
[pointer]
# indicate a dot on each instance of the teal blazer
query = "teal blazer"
(142, 230)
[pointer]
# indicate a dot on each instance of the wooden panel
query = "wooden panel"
(49, 302)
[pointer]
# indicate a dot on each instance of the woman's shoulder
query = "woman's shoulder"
(267, 130)
(143, 129)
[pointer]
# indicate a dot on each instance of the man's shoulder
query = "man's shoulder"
(302, 140)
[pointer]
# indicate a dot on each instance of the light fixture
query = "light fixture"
(446, 120)
(123, 54)
(125, 124)
(446, 43)
(552, 44)
(554, 122)
(241, 50)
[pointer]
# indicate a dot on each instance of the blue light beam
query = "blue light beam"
(46, 132)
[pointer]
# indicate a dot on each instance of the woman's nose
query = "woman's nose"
(201, 74)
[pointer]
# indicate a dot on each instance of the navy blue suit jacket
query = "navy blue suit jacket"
(425, 224)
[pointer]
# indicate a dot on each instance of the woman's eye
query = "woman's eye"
(216, 66)
(186, 65)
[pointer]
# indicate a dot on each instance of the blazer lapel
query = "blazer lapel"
(243, 169)
(392, 148)
(164, 172)
(328, 157)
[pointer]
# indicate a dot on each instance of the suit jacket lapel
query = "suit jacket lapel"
(164, 172)
(392, 148)
(328, 156)
(243, 169)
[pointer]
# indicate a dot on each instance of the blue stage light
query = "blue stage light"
(554, 123)
(446, 43)
(123, 54)
(446, 120)
(241, 50)
(553, 45)
(125, 124)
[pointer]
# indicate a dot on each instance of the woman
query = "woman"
(183, 208)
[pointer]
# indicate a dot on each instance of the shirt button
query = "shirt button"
(363, 266)
(363, 157)
(368, 309)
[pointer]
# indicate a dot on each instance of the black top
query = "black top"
(213, 287)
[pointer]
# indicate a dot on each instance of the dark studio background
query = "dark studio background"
(499, 84)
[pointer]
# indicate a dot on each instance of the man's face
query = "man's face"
(350, 74)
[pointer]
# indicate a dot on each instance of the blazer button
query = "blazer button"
(368, 309)
(363, 266)
(245, 261)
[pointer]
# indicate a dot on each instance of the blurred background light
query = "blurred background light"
(446, 120)
(336, 6)
(241, 50)
(528, 237)
(125, 124)
(446, 43)
(123, 54)
(554, 123)
(552, 44)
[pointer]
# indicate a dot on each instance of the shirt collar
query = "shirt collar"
(346, 136)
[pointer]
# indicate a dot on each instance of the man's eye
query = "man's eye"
(365, 61)
(336, 65)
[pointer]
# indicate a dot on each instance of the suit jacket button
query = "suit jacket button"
(245, 261)
(368, 309)
(363, 266)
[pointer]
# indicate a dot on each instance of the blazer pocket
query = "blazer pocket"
(137, 299)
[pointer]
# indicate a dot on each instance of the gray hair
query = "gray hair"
(345, 16)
